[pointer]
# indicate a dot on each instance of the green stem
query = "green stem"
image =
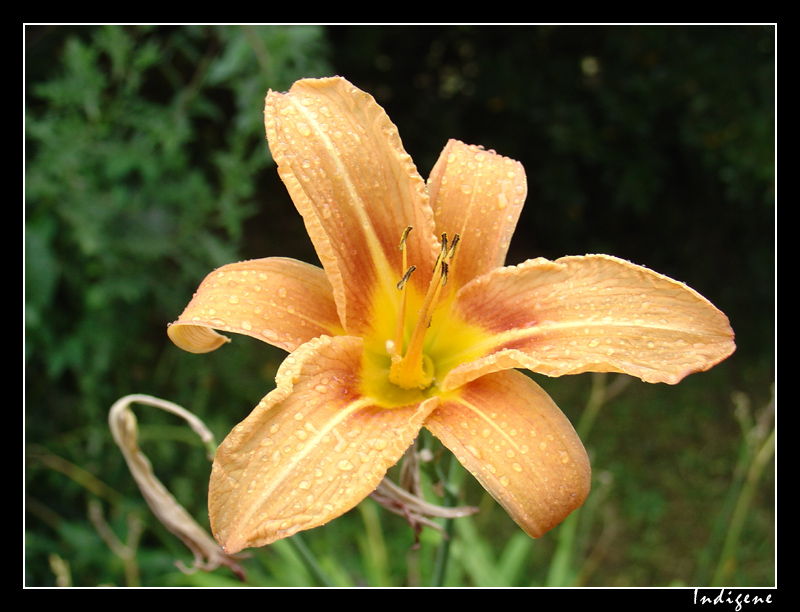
(560, 565)
(597, 398)
(760, 461)
(455, 479)
(310, 561)
(560, 572)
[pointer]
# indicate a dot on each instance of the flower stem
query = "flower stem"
(728, 556)
(455, 479)
(310, 561)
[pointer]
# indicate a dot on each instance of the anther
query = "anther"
(404, 236)
(405, 278)
(443, 252)
(453, 244)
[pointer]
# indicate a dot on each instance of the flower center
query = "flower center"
(413, 369)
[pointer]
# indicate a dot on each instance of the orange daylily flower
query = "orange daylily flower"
(409, 328)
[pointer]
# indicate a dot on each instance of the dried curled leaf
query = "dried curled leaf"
(208, 555)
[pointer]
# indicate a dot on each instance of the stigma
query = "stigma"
(411, 368)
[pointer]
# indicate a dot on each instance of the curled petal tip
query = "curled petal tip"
(195, 338)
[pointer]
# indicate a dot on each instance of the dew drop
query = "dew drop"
(474, 451)
(270, 336)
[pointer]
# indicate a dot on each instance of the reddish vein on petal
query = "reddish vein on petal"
(478, 195)
(357, 189)
(595, 313)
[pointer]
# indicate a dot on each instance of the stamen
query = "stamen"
(401, 315)
(408, 370)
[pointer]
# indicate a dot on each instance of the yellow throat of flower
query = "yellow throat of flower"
(413, 369)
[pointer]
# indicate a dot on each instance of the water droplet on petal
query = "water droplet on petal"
(474, 451)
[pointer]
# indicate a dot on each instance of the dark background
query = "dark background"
(146, 167)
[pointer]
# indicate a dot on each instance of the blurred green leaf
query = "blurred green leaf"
(144, 148)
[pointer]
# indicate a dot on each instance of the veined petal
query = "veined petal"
(281, 301)
(511, 436)
(357, 189)
(594, 313)
(477, 194)
(310, 451)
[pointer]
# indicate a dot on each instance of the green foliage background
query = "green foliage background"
(146, 167)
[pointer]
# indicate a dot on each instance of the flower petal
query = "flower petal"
(310, 451)
(511, 436)
(594, 313)
(357, 189)
(281, 301)
(477, 194)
